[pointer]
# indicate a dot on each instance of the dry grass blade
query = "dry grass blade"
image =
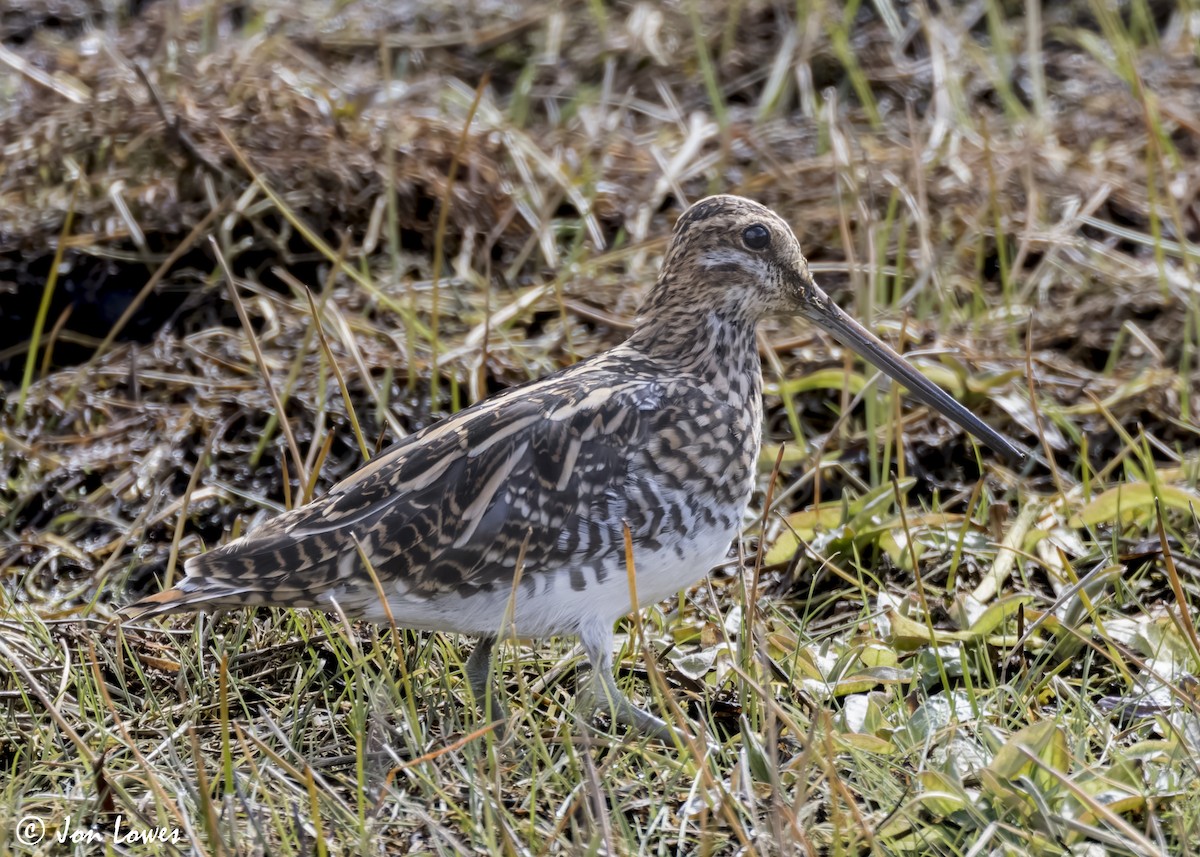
(439, 235)
(355, 426)
(263, 367)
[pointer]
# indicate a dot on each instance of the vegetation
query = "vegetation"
(915, 650)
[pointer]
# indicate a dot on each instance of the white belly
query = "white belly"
(555, 607)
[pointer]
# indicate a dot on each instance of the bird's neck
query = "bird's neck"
(717, 346)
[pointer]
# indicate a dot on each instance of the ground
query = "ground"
(916, 647)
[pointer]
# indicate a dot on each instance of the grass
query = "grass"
(914, 649)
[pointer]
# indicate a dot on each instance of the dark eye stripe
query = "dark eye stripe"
(756, 236)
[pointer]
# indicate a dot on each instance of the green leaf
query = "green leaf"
(940, 794)
(859, 516)
(997, 614)
(1044, 740)
(822, 379)
(1133, 501)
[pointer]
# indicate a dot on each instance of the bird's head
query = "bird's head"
(738, 260)
(737, 257)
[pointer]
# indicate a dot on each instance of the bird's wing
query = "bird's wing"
(544, 475)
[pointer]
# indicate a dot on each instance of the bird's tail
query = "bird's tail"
(232, 576)
(191, 593)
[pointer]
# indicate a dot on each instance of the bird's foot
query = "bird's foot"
(602, 694)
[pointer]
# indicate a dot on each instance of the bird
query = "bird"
(510, 517)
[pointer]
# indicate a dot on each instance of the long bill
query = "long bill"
(827, 315)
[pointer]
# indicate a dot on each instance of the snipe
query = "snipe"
(660, 434)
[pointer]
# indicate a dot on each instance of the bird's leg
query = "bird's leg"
(479, 676)
(602, 692)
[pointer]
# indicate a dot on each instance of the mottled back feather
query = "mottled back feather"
(552, 469)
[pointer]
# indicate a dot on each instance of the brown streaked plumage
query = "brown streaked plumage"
(660, 433)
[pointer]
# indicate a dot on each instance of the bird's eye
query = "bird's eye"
(756, 236)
